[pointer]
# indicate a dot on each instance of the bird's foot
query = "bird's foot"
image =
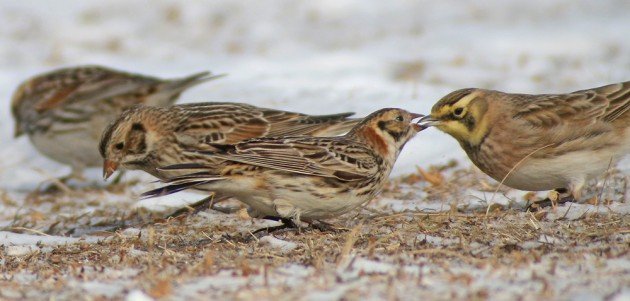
(287, 223)
(55, 185)
(118, 178)
(327, 227)
(554, 199)
(202, 205)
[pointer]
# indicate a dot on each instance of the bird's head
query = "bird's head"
(461, 114)
(387, 130)
(129, 139)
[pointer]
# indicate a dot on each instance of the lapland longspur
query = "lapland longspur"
(303, 178)
(64, 111)
(145, 138)
(539, 142)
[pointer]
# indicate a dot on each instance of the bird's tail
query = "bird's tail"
(182, 84)
(173, 88)
(183, 182)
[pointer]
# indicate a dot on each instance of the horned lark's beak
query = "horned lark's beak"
(109, 167)
(428, 121)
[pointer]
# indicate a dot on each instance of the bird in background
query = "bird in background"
(64, 111)
(146, 138)
(539, 142)
(301, 179)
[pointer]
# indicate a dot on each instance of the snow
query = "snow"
(317, 57)
(137, 295)
(10, 238)
(272, 242)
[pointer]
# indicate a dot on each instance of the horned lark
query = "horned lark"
(539, 142)
(65, 111)
(303, 178)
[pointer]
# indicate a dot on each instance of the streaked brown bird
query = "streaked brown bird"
(64, 111)
(302, 178)
(539, 142)
(145, 138)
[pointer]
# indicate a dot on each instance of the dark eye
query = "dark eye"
(399, 118)
(119, 146)
(458, 112)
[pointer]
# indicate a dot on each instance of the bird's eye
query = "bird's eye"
(399, 118)
(119, 146)
(458, 112)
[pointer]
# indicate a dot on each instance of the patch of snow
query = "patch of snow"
(10, 238)
(436, 241)
(20, 250)
(623, 295)
(275, 243)
(137, 295)
(108, 290)
(358, 266)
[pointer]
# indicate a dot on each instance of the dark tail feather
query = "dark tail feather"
(170, 189)
(176, 187)
(179, 85)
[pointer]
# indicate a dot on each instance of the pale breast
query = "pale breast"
(546, 166)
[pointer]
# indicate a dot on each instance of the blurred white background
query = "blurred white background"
(317, 57)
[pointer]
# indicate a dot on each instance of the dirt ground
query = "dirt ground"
(81, 248)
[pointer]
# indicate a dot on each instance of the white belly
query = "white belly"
(73, 144)
(291, 201)
(71, 148)
(563, 171)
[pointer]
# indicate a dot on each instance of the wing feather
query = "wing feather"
(233, 122)
(334, 157)
(580, 108)
(76, 85)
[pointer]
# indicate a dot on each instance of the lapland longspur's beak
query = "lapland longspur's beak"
(109, 167)
(17, 132)
(417, 126)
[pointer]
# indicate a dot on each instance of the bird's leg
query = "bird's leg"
(551, 200)
(326, 227)
(202, 205)
(60, 184)
(287, 223)
(565, 199)
(118, 178)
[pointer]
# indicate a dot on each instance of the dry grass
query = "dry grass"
(456, 253)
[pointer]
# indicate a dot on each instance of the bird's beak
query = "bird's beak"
(416, 115)
(428, 121)
(18, 131)
(416, 126)
(109, 167)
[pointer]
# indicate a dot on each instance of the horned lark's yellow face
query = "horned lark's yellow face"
(461, 115)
